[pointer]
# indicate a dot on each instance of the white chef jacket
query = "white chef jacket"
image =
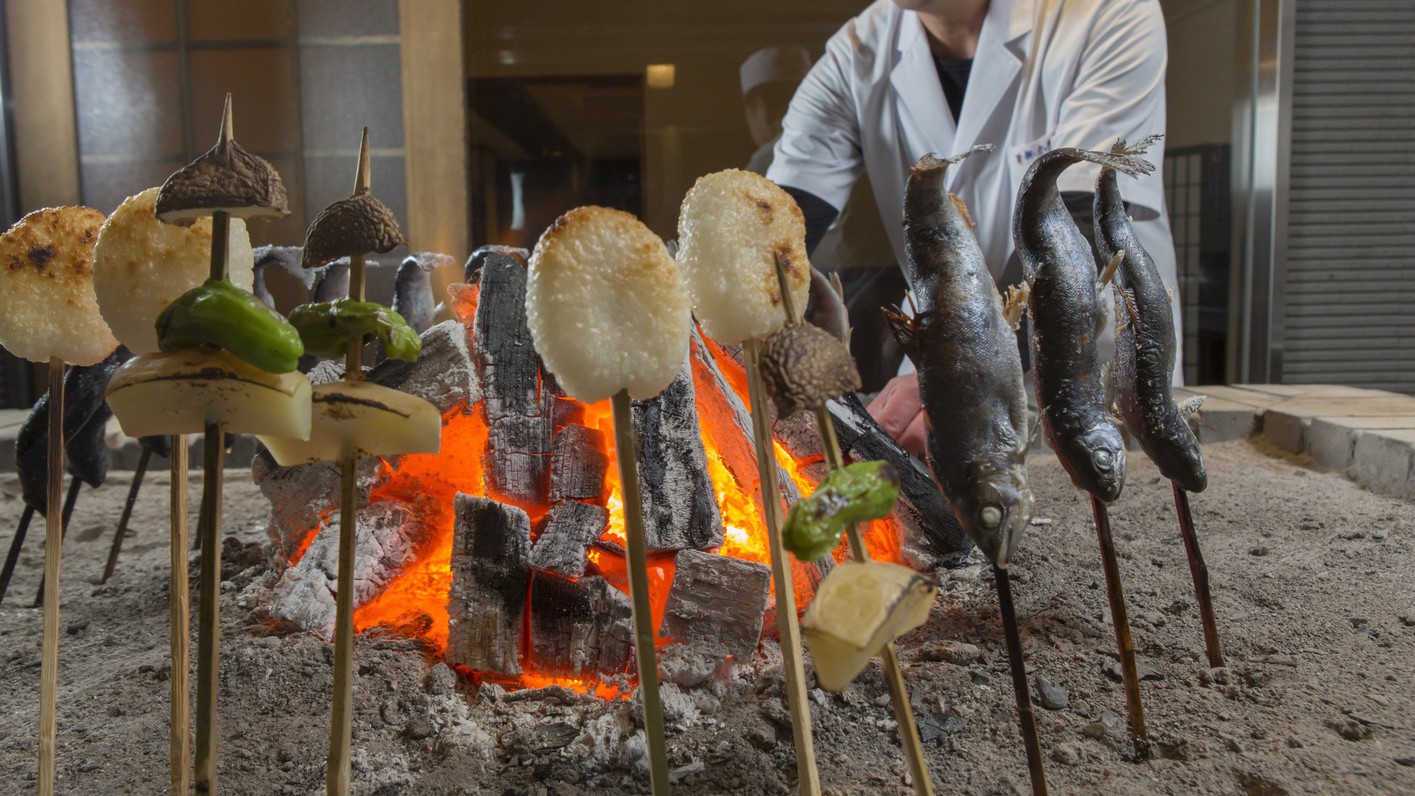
(873, 102)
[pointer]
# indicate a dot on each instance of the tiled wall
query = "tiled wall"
(306, 76)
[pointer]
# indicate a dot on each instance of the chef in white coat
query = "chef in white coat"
(910, 77)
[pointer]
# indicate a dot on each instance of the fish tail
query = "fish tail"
(1120, 147)
(931, 161)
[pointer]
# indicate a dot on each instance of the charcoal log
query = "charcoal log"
(569, 530)
(932, 535)
(386, 537)
(444, 374)
(580, 628)
(302, 496)
(517, 405)
(491, 547)
(679, 504)
(577, 464)
(714, 615)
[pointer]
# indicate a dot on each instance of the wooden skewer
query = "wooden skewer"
(644, 632)
(71, 497)
(22, 530)
(127, 514)
(13, 557)
(53, 547)
(1119, 619)
(338, 769)
(788, 625)
(1023, 694)
(893, 673)
(1200, 572)
(209, 530)
(209, 609)
(179, 620)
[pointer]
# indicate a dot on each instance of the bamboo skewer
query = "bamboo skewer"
(209, 530)
(209, 609)
(893, 674)
(179, 622)
(338, 769)
(1025, 717)
(1200, 572)
(71, 497)
(53, 547)
(13, 557)
(127, 515)
(788, 624)
(644, 633)
(1119, 619)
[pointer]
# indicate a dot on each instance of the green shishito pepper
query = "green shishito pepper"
(328, 327)
(217, 313)
(855, 493)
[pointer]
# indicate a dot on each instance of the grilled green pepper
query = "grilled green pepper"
(854, 493)
(328, 327)
(218, 313)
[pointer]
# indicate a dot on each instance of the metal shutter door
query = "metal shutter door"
(1350, 269)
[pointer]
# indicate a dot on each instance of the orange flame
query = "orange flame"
(415, 601)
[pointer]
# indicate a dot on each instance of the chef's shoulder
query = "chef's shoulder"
(864, 39)
(1139, 24)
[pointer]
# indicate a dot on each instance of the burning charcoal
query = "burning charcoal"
(302, 496)
(387, 534)
(491, 545)
(932, 534)
(577, 464)
(517, 457)
(570, 528)
(580, 628)
(444, 372)
(680, 507)
(471, 271)
(714, 615)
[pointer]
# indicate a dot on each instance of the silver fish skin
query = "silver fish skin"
(1067, 315)
(412, 295)
(1144, 341)
(970, 372)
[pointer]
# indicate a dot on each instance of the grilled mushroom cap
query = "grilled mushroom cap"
(226, 178)
(803, 366)
(357, 225)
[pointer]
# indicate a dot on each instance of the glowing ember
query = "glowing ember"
(415, 602)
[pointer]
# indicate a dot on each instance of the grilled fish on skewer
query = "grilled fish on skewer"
(1067, 317)
(970, 372)
(1144, 340)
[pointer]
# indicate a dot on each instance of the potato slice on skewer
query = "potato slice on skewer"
(47, 303)
(364, 419)
(141, 265)
(180, 392)
(860, 607)
(733, 229)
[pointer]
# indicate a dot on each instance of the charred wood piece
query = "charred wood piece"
(680, 505)
(386, 535)
(580, 628)
(491, 547)
(517, 460)
(714, 615)
(570, 528)
(933, 537)
(577, 464)
(444, 374)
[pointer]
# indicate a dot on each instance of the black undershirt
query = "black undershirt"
(953, 76)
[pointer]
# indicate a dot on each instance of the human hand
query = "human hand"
(898, 411)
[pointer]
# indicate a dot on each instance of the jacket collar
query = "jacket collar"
(996, 64)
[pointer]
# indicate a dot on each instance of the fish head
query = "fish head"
(1189, 471)
(1101, 450)
(996, 506)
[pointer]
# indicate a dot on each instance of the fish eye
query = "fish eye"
(1103, 459)
(991, 516)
